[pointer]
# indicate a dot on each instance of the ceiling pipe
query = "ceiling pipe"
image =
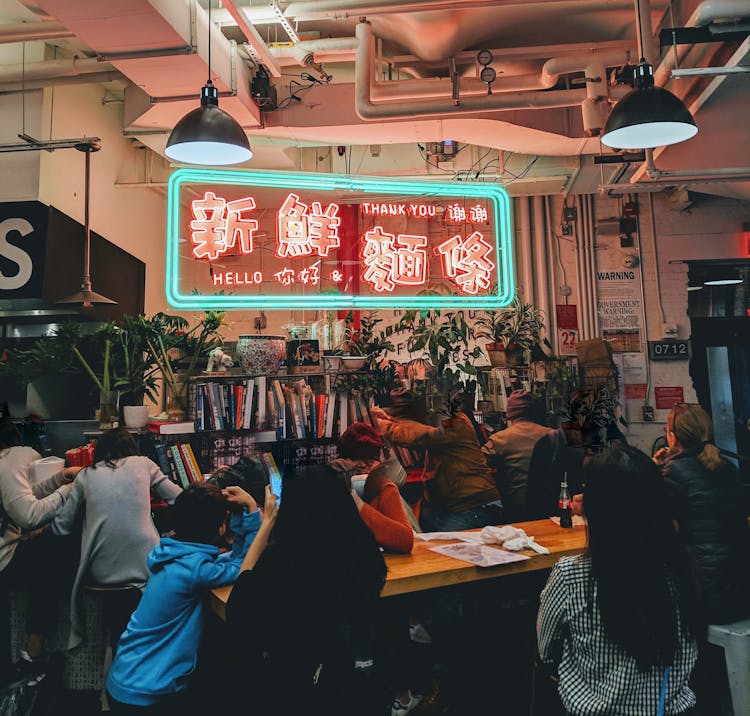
(260, 51)
(85, 79)
(30, 31)
(347, 9)
(52, 69)
(330, 49)
(367, 109)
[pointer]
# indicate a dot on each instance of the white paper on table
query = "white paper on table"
(475, 537)
(578, 521)
(479, 554)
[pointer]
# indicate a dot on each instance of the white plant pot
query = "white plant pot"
(136, 416)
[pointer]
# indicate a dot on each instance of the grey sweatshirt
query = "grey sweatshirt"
(118, 532)
(24, 506)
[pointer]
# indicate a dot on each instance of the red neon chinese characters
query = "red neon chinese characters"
(309, 276)
(410, 268)
(285, 277)
(300, 232)
(324, 228)
(239, 228)
(377, 256)
(456, 213)
(394, 260)
(467, 262)
(478, 214)
(218, 225)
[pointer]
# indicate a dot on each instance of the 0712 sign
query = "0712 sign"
(669, 349)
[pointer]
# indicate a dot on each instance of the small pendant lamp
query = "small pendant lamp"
(208, 135)
(648, 116)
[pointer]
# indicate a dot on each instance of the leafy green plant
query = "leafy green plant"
(443, 338)
(366, 340)
(520, 325)
(135, 370)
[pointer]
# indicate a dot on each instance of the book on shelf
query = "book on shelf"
(192, 474)
(247, 410)
(343, 413)
(179, 466)
(164, 463)
(170, 427)
(260, 423)
(278, 394)
(200, 421)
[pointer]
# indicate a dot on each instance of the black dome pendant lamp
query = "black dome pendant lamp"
(208, 135)
(648, 116)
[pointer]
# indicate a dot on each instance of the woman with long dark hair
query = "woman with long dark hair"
(310, 602)
(707, 503)
(114, 498)
(619, 621)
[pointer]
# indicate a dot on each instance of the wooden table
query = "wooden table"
(425, 569)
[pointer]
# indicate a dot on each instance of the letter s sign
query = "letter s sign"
(15, 254)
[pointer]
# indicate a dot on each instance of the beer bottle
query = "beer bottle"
(563, 503)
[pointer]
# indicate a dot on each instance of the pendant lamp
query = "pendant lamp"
(208, 135)
(648, 116)
(86, 297)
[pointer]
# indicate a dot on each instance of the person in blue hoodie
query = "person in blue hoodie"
(158, 650)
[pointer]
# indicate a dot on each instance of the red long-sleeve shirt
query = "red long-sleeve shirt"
(385, 517)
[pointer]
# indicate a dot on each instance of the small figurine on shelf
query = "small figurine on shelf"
(219, 361)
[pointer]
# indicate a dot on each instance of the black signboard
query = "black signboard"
(23, 236)
(669, 349)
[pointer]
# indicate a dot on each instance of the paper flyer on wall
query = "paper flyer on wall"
(481, 555)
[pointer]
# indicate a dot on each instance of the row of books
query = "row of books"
(178, 463)
(289, 410)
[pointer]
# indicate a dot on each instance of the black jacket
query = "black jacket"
(708, 507)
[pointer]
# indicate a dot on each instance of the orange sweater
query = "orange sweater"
(385, 517)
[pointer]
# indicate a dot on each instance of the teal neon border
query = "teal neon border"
(333, 182)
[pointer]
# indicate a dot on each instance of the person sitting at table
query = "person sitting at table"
(706, 498)
(158, 651)
(382, 509)
(114, 497)
(28, 558)
(304, 614)
(619, 622)
(509, 452)
(460, 492)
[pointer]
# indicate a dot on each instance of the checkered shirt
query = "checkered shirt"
(596, 676)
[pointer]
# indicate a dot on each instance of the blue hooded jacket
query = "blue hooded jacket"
(159, 649)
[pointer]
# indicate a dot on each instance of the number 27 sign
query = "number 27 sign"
(290, 240)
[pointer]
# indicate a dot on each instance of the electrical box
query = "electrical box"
(570, 213)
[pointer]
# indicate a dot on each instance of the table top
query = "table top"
(425, 569)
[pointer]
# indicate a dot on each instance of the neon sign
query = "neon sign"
(290, 240)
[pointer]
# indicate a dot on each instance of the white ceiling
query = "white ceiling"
(540, 150)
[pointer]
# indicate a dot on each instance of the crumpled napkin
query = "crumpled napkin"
(511, 538)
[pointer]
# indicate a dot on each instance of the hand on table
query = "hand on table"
(236, 495)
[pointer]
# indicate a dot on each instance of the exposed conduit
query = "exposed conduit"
(551, 276)
(540, 257)
(591, 254)
(368, 110)
(30, 31)
(524, 251)
(580, 285)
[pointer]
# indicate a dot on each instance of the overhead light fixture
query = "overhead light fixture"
(648, 116)
(290, 31)
(723, 276)
(86, 297)
(208, 135)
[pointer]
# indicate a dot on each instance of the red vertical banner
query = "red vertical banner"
(348, 254)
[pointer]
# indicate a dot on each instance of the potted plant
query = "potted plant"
(514, 333)
(443, 339)
(135, 372)
(176, 349)
(364, 346)
(97, 345)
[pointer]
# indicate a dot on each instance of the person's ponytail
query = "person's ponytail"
(710, 457)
